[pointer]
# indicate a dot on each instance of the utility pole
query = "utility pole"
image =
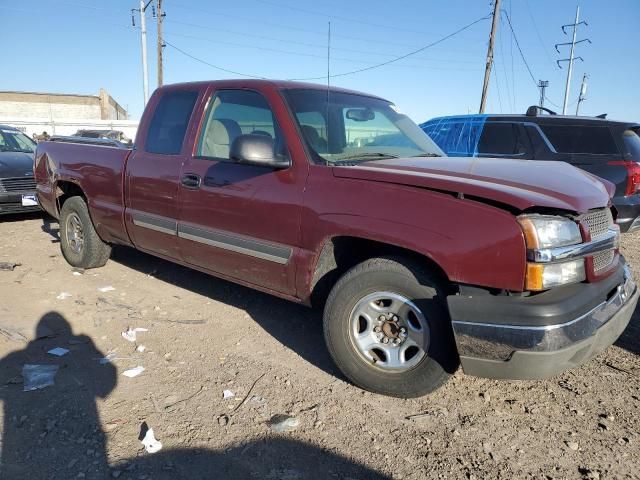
(160, 19)
(143, 41)
(583, 92)
(487, 70)
(571, 58)
(542, 85)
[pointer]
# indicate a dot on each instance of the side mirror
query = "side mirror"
(252, 149)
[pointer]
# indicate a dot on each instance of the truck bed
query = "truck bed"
(97, 170)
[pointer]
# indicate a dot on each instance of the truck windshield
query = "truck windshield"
(343, 128)
(15, 141)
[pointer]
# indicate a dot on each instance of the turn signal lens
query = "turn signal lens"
(542, 276)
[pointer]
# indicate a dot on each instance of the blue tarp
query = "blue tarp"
(456, 136)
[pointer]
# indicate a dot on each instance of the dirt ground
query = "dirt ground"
(206, 336)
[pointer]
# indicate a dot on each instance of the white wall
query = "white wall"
(62, 111)
(69, 127)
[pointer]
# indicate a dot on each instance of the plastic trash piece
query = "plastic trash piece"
(134, 372)
(283, 423)
(8, 266)
(64, 296)
(151, 445)
(130, 333)
(58, 351)
(227, 394)
(106, 289)
(38, 376)
(140, 348)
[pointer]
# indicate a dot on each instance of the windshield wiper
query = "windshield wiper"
(365, 156)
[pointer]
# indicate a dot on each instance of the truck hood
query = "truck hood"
(16, 164)
(518, 183)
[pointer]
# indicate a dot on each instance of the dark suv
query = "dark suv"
(606, 148)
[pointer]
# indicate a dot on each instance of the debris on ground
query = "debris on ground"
(133, 372)
(106, 289)
(64, 296)
(283, 423)
(223, 420)
(151, 445)
(8, 266)
(130, 334)
(77, 271)
(140, 348)
(107, 359)
(58, 351)
(38, 376)
(227, 394)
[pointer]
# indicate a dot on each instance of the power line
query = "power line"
(533, 78)
(211, 64)
(432, 44)
(535, 27)
(295, 42)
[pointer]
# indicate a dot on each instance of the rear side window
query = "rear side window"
(169, 122)
(581, 139)
(632, 144)
(501, 139)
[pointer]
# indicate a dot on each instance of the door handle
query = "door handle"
(191, 180)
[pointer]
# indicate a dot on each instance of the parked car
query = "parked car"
(107, 134)
(420, 261)
(606, 148)
(17, 186)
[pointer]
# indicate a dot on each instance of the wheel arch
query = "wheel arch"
(341, 252)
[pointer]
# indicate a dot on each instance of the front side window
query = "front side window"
(233, 113)
(169, 123)
(15, 141)
(344, 127)
(581, 139)
(501, 138)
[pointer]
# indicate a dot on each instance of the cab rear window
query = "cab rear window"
(595, 140)
(169, 122)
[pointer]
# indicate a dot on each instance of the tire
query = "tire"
(424, 357)
(80, 244)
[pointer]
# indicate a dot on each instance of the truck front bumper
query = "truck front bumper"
(542, 335)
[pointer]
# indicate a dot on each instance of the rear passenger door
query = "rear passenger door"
(504, 139)
(237, 220)
(153, 173)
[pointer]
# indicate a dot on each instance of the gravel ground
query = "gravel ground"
(206, 336)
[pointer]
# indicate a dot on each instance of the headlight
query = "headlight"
(547, 232)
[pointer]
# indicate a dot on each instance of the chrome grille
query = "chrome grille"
(22, 184)
(602, 260)
(598, 222)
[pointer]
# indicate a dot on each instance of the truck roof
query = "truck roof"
(261, 83)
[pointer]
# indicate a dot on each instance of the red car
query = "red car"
(335, 198)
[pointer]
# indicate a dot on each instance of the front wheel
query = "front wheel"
(387, 328)
(80, 244)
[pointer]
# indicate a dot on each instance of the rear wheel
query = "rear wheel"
(387, 328)
(80, 244)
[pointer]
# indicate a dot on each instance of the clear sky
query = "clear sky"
(78, 46)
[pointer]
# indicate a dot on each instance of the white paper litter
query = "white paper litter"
(107, 359)
(130, 333)
(140, 348)
(58, 351)
(151, 445)
(64, 295)
(38, 376)
(134, 372)
(226, 394)
(106, 289)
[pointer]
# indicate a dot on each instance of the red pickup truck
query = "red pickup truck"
(334, 198)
